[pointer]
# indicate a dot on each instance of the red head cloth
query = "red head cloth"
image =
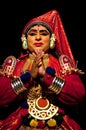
(53, 22)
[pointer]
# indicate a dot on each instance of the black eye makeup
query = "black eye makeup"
(33, 32)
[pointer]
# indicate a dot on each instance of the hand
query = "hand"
(38, 66)
(34, 70)
(41, 68)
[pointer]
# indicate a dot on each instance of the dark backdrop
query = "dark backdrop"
(15, 14)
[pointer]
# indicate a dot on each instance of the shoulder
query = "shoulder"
(66, 63)
(8, 65)
(68, 66)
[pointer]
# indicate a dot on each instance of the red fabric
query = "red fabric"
(48, 79)
(73, 91)
(70, 124)
(13, 121)
(7, 94)
(19, 66)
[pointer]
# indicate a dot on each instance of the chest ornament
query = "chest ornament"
(41, 108)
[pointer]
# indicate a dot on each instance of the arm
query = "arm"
(11, 88)
(7, 94)
(71, 92)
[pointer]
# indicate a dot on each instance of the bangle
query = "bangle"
(17, 86)
(57, 85)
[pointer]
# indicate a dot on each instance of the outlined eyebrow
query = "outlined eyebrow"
(44, 31)
(34, 31)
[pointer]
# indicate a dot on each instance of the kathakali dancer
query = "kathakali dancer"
(38, 89)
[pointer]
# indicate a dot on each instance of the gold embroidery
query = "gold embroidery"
(34, 92)
(67, 66)
(30, 60)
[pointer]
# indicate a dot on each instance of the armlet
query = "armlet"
(8, 66)
(67, 66)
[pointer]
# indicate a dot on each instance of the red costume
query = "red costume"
(13, 109)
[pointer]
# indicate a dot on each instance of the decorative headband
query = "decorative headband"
(38, 23)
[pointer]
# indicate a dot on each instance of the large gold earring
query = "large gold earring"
(52, 41)
(24, 42)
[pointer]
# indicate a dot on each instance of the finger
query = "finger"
(34, 54)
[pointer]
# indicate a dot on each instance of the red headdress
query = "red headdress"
(53, 22)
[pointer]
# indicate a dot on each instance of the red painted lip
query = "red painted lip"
(38, 44)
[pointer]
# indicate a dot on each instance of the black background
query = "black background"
(15, 14)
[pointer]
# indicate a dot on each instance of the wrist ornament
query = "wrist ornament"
(25, 77)
(18, 83)
(57, 85)
(50, 71)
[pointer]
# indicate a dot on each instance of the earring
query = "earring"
(52, 41)
(24, 42)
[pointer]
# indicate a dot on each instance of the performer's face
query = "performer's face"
(38, 37)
